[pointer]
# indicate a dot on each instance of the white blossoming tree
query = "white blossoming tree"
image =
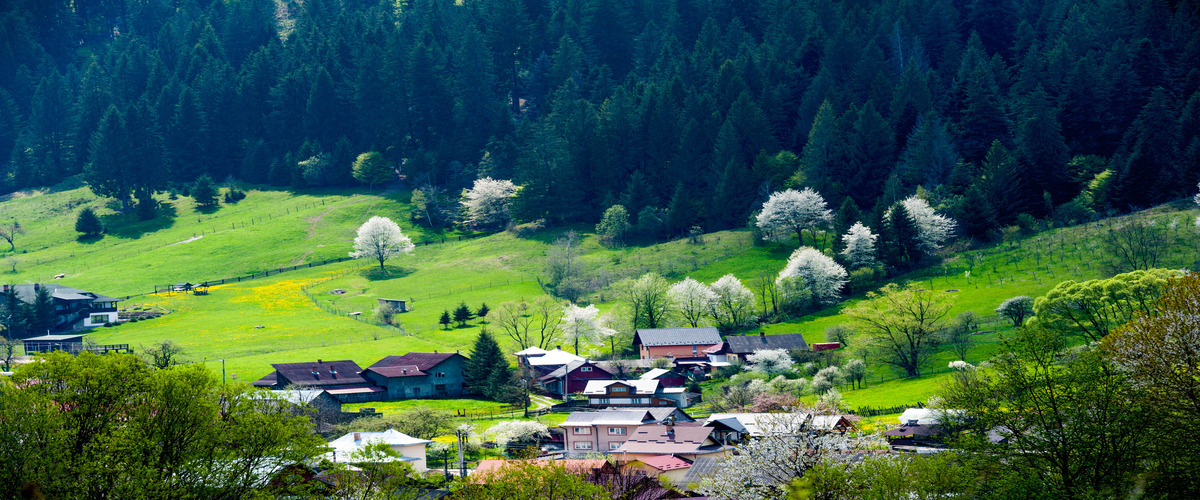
(933, 229)
(379, 238)
(487, 203)
(765, 466)
(733, 304)
(859, 248)
(820, 274)
(692, 299)
(770, 361)
(509, 431)
(584, 324)
(792, 211)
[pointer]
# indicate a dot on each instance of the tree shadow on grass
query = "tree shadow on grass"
(89, 239)
(127, 225)
(390, 272)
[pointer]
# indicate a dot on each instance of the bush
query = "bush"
(528, 229)
(234, 195)
(88, 223)
(863, 279)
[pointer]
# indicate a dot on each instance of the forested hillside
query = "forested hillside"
(699, 109)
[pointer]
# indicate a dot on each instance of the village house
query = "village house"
(70, 343)
(74, 309)
(653, 343)
(419, 375)
(572, 378)
(342, 379)
(348, 448)
(668, 378)
(741, 346)
(541, 362)
(636, 393)
(687, 440)
(735, 427)
(606, 430)
(669, 468)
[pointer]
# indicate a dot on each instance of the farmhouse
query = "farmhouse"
(635, 393)
(348, 448)
(419, 375)
(543, 362)
(74, 309)
(740, 346)
(606, 430)
(653, 343)
(341, 379)
(572, 378)
(71, 343)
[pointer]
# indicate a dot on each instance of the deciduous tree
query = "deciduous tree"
(822, 276)
(372, 168)
(488, 202)
(859, 246)
(647, 299)
(1093, 308)
(692, 299)
(584, 324)
(733, 306)
(792, 211)
(1016, 309)
(901, 324)
(379, 238)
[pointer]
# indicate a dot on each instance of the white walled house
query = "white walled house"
(411, 449)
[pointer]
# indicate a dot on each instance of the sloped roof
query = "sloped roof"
(658, 412)
(753, 423)
(396, 371)
(639, 386)
(650, 337)
(267, 381)
(577, 466)
(666, 462)
(562, 371)
(608, 417)
(747, 344)
(688, 437)
(654, 374)
(321, 373)
(554, 357)
(926, 416)
(701, 468)
(27, 294)
(343, 447)
(716, 349)
(531, 351)
(424, 361)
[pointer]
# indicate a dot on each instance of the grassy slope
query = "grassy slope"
(437, 277)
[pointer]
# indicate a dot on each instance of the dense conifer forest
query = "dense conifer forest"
(692, 111)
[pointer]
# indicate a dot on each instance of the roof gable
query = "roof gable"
(423, 361)
(652, 337)
(339, 372)
(746, 344)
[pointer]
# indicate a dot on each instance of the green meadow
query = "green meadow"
(294, 316)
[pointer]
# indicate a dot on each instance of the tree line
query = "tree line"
(689, 112)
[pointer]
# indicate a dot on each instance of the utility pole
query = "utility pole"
(222, 373)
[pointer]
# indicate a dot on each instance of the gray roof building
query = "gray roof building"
(652, 337)
(744, 345)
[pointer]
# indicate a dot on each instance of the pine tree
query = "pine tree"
(87, 224)
(487, 372)
(204, 192)
(445, 320)
(482, 312)
(899, 248)
(108, 157)
(1149, 155)
(848, 214)
(462, 314)
(1043, 150)
(870, 155)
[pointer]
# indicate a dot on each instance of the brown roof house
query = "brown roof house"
(342, 379)
(636, 393)
(653, 343)
(419, 375)
(687, 440)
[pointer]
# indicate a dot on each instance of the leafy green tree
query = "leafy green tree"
(204, 192)
(372, 168)
(67, 419)
(901, 324)
(531, 480)
(1093, 308)
(1016, 309)
(1066, 418)
(613, 226)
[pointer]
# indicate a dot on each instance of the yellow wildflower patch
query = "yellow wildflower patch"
(280, 295)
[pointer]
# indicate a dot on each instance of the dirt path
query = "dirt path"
(189, 240)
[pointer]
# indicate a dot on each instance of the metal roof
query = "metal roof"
(424, 361)
(599, 387)
(747, 344)
(56, 338)
(651, 337)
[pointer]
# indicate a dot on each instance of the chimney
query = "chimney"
(358, 436)
(435, 351)
(558, 347)
(36, 287)
(319, 361)
(762, 334)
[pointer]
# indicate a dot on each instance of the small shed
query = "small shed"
(397, 304)
(51, 343)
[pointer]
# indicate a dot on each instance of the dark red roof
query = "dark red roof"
(424, 361)
(319, 373)
(395, 371)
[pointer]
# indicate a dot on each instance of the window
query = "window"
(585, 369)
(583, 445)
(635, 401)
(616, 431)
(416, 391)
(439, 375)
(620, 388)
(583, 430)
(694, 349)
(602, 401)
(614, 445)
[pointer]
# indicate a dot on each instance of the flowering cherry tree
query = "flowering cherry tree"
(791, 211)
(859, 248)
(692, 299)
(488, 202)
(733, 303)
(821, 275)
(933, 229)
(379, 238)
(584, 323)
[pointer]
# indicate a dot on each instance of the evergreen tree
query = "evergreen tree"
(108, 159)
(900, 246)
(87, 224)
(204, 192)
(1149, 156)
(445, 320)
(1043, 150)
(462, 314)
(41, 312)
(487, 372)
(848, 214)
(483, 311)
(870, 157)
